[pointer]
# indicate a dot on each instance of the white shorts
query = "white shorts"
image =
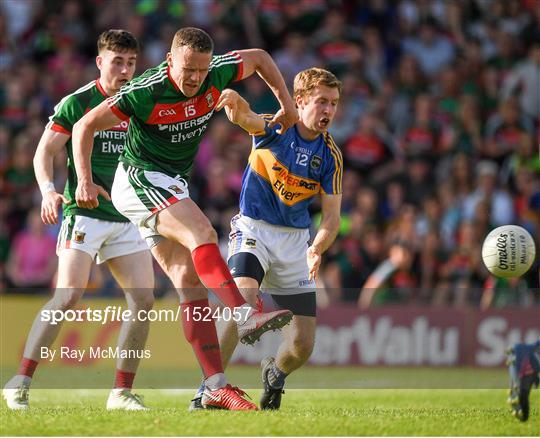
(139, 194)
(102, 240)
(280, 250)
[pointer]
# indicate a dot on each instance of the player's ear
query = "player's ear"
(298, 101)
(99, 61)
(169, 59)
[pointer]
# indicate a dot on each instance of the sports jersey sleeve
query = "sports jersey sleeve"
(332, 175)
(68, 111)
(268, 136)
(126, 102)
(226, 69)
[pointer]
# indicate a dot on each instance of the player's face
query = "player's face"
(117, 68)
(188, 68)
(319, 108)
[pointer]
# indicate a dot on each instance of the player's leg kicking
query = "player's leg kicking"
(199, 332)
(189, 254)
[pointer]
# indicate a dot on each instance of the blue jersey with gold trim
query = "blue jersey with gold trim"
(284, 174)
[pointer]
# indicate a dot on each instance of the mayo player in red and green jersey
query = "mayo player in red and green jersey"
(102, 234)
(169, 108)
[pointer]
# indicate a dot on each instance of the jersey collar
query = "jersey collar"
(100, 88)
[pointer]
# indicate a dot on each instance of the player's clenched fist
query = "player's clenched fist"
(49, 207)
(87, 193)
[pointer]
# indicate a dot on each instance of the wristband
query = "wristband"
(46, 187)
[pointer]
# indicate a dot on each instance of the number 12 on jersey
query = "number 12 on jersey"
(301, 159)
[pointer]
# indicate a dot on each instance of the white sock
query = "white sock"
(18, 380)
(216, 381)
(117, 391)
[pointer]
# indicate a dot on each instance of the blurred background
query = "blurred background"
(439, 124)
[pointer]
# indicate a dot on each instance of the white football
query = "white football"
(508, 251)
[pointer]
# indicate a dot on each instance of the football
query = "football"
(508, 251)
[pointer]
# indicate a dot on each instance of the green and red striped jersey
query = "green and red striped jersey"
(108, 145)
(165, 126)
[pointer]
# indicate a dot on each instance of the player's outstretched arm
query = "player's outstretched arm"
(100, 118)
(239, 112)
(328, 230)
(258, 60)
(50, 144)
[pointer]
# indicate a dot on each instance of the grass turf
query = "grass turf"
(316, 412)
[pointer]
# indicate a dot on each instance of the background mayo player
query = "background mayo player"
(102, 233)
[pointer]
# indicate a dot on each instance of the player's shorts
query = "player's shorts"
(139, 194)
(304, 304)
(102, 240)
(281, 252)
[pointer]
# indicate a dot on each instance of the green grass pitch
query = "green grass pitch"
(315, 412)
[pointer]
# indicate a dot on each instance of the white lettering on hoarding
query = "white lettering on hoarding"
(374, 341)
(494, 337)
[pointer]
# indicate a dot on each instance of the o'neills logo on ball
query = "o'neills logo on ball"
(507, 253)
(501, 249)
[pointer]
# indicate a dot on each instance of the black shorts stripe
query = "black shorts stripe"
(304, 304)
(246, 264)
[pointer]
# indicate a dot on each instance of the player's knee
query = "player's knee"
(182, 277)
(144, 301)
(207, 234)
(65, 299)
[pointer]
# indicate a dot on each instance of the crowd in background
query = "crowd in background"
(439, 124)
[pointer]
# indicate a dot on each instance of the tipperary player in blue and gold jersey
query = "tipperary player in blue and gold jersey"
(268, 247)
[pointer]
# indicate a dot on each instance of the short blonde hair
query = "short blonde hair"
(307, 80)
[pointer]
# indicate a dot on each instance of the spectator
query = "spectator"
(432, 50)
(417, 178)
(396, 274)
(504, 292)
(337, 43)
(295, 56)
(502, 209)
(504, 131)
(422, 137)
(524, 79)
(463, 273)
(377, 57)
(19, 177)
(369, 147)
(505, 57)
(30, 264)
(464, 135)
